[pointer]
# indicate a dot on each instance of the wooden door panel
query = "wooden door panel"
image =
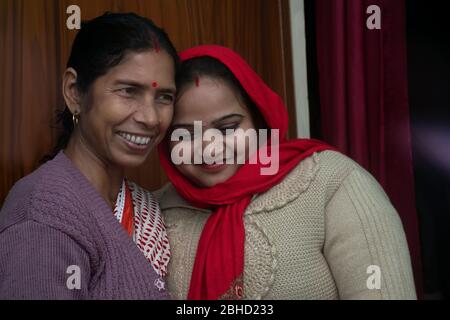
(35, 45)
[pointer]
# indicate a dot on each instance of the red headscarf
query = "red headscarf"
(219, 263)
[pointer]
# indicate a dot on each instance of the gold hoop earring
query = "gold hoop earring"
(75, 117)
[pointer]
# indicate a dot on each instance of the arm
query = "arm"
(34, 259)
(363, 229)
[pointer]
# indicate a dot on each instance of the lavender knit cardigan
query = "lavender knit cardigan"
(60, 240)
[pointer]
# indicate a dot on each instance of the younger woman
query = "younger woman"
(318, 227)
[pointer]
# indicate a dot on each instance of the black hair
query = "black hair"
(191, 70)
(102, 44)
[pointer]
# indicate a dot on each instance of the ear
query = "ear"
(70, 91)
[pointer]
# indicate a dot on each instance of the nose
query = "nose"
(147, 115)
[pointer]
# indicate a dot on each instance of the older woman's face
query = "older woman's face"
(129, 109)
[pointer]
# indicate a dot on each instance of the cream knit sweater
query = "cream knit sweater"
(313, 236)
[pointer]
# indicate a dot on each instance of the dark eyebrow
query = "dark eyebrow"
(171, 90)
(130, 83)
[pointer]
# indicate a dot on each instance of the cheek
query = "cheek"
(112, 112)
(187, 170)
(96, 121)
(232, 169)
(240, 145)
(165, 117)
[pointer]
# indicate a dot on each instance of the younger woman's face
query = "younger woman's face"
(217, 106)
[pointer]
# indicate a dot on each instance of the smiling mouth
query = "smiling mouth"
(213, 165)
(137, 140)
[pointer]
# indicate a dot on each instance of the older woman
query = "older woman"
(75, 227)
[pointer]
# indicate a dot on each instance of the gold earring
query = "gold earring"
(75, 117)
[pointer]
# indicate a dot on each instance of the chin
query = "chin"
(207, 184)
(130, 161)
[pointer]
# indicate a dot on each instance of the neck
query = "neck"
(104, 177)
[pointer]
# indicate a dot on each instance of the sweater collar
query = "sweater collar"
(97, 205)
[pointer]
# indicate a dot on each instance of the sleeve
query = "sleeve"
(40, 262)
(365, 245)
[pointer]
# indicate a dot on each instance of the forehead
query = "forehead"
(145, 66)
(207, 100)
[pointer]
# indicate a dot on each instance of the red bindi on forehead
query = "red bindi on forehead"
(154, 84)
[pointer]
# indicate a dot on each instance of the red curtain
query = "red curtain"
(364, 98)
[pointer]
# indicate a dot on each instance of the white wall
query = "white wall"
(297, 17)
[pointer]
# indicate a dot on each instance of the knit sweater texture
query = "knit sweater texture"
(327, 231)
(60, 240)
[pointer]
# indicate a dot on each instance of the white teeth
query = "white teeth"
(135, 139)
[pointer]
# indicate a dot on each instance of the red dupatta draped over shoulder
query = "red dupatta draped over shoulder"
(219, 264)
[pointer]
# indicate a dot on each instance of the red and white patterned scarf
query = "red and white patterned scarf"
(148, 230)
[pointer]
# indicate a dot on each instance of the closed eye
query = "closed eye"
(229, 128)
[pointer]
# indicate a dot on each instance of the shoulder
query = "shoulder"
(339, 171)
(319, 175)
(327, 169)
(48, 195)
(335, 166)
